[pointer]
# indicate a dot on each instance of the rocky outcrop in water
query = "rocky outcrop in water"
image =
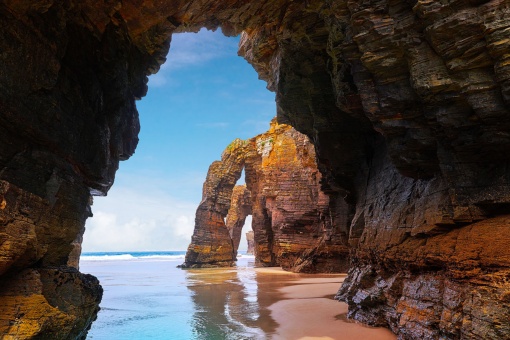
(211, 243)
(294, 223)
(406, 102)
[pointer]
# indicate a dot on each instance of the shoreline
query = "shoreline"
(307, 310)
(152, 298)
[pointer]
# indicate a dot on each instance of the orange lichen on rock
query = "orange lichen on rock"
(48, 303)
(292, 222)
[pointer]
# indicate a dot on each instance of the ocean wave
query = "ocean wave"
(134, 256)
(131, 257)
(107, 257)
(164, 257)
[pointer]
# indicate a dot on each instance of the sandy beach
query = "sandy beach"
(307, 311)
(149, 298)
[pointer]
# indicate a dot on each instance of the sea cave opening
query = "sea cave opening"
(203, 98)
(410, 138)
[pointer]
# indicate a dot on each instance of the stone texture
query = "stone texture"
(406, 102)
(295, 224)
(240, 208)
(211, 243)
(48, 304)
(250, 239)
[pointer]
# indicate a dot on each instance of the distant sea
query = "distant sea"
(134, 255)
(147, 297)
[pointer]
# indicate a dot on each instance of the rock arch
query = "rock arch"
(295, 224)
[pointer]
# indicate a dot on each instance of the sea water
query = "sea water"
(147, 297)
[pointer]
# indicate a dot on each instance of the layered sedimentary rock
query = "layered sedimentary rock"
(57, 303)
(250, 239)
(295, 224)
(406, 102)
(240, 208)
(211, 243)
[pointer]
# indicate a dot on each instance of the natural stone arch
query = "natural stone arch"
(295, 224)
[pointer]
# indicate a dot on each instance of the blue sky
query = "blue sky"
(203, 97)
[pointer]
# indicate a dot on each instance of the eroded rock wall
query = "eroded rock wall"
(294, 223)
(48, 303)
(240, 208)
(211, 243)
(411, 127)
(250, 239)
(67, 117)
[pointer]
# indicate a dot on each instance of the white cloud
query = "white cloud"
(193, 48)
(137, 220)
(189, 49)
(214, 125)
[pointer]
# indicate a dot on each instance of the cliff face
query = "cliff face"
(406, 102)
(211, 243)
(41, 291)
(294, 223)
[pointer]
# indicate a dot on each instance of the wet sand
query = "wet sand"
(152, 299)
(307, 310)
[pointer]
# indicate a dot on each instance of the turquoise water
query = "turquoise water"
(147, 297)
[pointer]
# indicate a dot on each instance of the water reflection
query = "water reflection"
(233, 303)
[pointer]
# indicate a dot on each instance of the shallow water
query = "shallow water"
(143, 299)
(149, 298)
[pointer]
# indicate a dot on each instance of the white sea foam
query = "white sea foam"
(129, 257)
(142, 257)
(122, 257)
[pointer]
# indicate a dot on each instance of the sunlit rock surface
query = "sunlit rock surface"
(406, 102)
(211, 243)
(295, 224)
(58, 303)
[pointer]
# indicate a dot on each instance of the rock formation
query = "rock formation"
(211, 243)
(295, 224)
(58, 303)
(406, 102)
(250, 239)
(240, 208)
